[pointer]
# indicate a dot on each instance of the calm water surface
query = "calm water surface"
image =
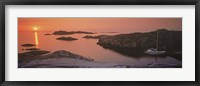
(85, 47)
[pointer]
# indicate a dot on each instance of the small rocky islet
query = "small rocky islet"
(61, 32)
(109, 32)
(32, 49)
(66, 38)
(28, 45)
(93, 37)
(47, 34)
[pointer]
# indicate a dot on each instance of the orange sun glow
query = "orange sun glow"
(35, 28)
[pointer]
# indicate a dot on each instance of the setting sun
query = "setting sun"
(35, 28)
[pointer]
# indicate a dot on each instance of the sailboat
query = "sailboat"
(155, 51)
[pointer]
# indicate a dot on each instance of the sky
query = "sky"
(99, 24)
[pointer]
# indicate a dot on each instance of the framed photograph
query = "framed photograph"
(144, 42)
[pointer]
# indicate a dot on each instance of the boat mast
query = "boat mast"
(157, 41)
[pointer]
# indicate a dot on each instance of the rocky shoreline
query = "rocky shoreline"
(57, 59)
(66, 59)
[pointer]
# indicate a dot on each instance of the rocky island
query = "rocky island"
(109, 32)
(47, 34)
(93, 37)
(134, 44)
(32, 49)
(61, 32)
(28, 45)
(66, 38)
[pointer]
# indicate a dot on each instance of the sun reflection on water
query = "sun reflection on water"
(36, 39)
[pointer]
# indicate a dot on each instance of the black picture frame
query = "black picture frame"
(98, 2)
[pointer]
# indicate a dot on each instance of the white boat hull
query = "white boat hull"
(154, 52)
